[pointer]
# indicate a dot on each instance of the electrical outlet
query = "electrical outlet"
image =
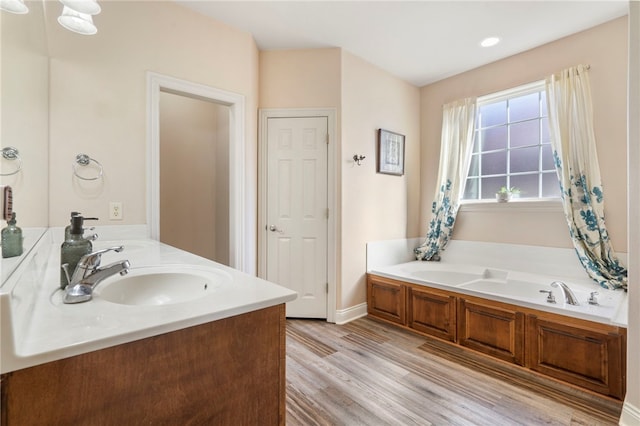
(115, 210)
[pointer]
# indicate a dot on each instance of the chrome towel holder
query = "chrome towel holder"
(10, 153)
(84, 160)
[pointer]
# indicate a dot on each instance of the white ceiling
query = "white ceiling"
(418, 41)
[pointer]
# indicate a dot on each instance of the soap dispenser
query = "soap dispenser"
(12, 238)
(67, 229)
(73, 249)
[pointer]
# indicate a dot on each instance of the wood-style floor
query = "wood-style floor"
(370, 373)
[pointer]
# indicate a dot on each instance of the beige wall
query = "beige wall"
(375, 206)
(306, 78)
(603, 47)
(25, 114)
(194, 176)
(98, 98)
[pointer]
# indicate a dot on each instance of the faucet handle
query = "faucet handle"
(592, 298)
(550, 297)
(92, 260)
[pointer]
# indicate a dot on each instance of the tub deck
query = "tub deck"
(514, 287)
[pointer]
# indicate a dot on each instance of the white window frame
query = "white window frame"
(536, 203)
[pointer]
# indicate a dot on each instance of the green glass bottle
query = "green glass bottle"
(12, 238)
(73, 249)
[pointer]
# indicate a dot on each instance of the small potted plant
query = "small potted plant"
(505, 194)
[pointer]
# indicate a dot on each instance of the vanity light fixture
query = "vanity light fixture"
(78, 22)
(358, 159)
(14, 6)
(490, 41)
(76, 16)
(90, 7)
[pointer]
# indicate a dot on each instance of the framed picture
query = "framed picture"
(390, 152)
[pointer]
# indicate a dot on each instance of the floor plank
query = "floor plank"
(371, 373)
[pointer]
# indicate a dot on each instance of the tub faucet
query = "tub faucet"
(88, 275)
(569, 297)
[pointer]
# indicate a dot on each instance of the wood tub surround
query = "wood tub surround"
(582, 353)
(226, 372)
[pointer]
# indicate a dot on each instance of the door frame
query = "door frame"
(264, 115)
(238, 245)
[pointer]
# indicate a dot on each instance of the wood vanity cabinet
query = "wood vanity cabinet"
(432, 312)
(226, 372)
(591, 357)
(386, 299)
(492, 328)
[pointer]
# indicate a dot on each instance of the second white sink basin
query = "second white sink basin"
(162, 285)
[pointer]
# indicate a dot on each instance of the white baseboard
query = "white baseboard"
(344, 316)
(630, 415)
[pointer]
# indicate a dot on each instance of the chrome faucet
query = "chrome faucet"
(88, 275)
(569, 297)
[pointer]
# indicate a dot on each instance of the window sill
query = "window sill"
(533, 205)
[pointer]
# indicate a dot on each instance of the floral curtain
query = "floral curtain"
(458, 123)
(574, 146)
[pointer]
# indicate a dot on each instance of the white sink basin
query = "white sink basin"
(161, 285)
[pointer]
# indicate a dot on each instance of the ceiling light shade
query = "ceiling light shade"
(90, 7)
(80, 23)
(490, 41)
(14, 6)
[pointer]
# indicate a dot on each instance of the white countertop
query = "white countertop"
(37, 328)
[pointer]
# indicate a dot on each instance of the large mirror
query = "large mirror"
(25, 122)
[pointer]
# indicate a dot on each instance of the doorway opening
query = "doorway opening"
(240, 240)
(194, 176)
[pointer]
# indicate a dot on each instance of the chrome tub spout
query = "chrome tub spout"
(569, 297)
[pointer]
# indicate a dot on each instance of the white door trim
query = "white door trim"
(332, 252)
(156, 83)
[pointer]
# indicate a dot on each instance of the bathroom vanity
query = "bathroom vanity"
(230, 371)
(216, 357)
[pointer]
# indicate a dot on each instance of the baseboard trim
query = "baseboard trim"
(344, 316)
(630, 415)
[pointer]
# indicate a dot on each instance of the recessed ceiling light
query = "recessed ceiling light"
(490, 41)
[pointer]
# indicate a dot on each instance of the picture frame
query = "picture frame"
(390, 152)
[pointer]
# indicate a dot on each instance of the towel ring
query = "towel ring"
(10, 153)
(84, 160)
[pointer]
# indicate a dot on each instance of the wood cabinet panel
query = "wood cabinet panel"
(226, 372)
(432, 313)
(386, 299)
(583, 353)
(498, 332)
(585, 357)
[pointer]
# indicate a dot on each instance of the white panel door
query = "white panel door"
(297, 211)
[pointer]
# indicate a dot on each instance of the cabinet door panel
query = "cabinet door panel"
(386, 299)
(498, 332)
(587, 358)
(432, 313)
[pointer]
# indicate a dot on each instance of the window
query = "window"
(512, 147)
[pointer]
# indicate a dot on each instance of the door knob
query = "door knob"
(274, 228)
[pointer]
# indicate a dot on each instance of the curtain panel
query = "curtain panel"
(574, 149)
(458, 124)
